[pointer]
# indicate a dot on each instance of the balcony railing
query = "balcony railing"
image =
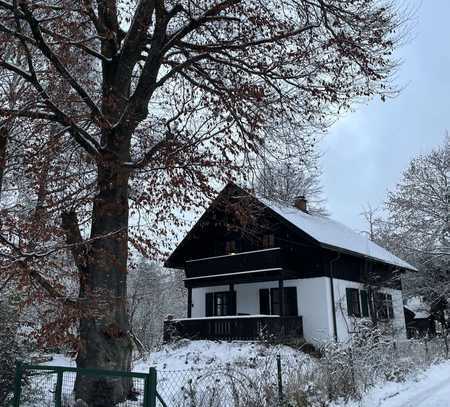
(248, 327)
(266, 259)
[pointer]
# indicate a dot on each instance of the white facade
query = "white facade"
(314, 305)
(344, 323)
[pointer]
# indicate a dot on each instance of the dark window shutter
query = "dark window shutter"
(264, 307)
(348, 293)
(232, 302)
(353, 308)
(275, 301)
(364, 304)
(209, 302)
(290, 298)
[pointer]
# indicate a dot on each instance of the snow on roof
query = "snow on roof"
(417, 305)
(335, 234)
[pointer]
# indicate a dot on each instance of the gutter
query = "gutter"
(333, 305)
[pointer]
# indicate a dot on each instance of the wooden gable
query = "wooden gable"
(237, 222)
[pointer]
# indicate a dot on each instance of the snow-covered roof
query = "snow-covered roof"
(331, 233)
(417, 305)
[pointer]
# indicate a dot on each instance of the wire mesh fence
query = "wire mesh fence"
(278, 381)
(42, 386)
(228, 386)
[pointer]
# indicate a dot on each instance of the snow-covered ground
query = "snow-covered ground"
(188, 355)
(202, 372)
(208, 373)
(430, 388)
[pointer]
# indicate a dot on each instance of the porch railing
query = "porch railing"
(234, 327)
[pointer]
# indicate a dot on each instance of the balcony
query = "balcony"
(245, 327)
(259, 265)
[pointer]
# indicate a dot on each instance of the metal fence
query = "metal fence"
(228, 386)
(45, 386)
(53, 386)
(269, 382)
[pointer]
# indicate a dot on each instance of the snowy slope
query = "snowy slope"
(207, 366)
(335, 234)
(429, 389)
(187, 355)
(195, 371)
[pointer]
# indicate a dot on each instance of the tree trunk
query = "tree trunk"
(105, 342)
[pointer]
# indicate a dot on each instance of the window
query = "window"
(220, 303)
(364, 303)
(358, 304)
(353, 307)
(384, 306)
(380, 306)
(269, 301)
(268, 241)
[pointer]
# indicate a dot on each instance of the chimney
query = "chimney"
(301, 203)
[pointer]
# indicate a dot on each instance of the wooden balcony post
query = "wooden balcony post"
(233, 299)
(189, 303)
(281, 292)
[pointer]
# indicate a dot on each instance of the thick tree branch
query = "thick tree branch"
(135, 38)
(179, 67)
(107, 20)
(76, 44)
(16, 69)
(197, 22)
(18, 35)
(69, 222)
(28, 114)
(22, 261)
(53, 58)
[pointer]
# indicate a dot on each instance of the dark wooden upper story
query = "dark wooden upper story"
(238, 235)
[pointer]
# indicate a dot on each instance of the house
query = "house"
(253, 268)
(420, 321)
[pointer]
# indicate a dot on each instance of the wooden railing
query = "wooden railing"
(235, 263)
(234, 328)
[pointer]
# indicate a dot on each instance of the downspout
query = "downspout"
(333, 305)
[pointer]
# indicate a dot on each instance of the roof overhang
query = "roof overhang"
(371, 258)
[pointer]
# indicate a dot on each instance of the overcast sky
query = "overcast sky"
(367, 150)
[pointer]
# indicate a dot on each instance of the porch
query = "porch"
(239, 296)
(238, 327)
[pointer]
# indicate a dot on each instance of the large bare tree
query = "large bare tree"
(138, 104)
(291, 174)
(416, 225)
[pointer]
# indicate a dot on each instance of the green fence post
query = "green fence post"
(152, 382)
(58, 390)
(146, 387)
(18, 384)
(280, 381)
